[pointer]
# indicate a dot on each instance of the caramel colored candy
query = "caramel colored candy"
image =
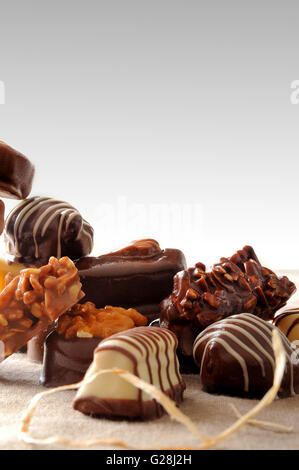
(98, 322)
(34, 299)
(5, 267)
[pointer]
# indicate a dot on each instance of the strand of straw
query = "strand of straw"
(165, 401)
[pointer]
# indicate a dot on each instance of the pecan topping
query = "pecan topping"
(34, 299)
(85, 320)
(235, 285)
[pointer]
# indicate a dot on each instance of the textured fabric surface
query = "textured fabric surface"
(212, 414)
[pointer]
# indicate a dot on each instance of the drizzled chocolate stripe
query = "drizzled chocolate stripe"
(243, 336)
(146, 343)
(144, 334)
(169, 381)
(290, 314)
(176, 362)
(133, 358)
(149, 348)
(50, 210)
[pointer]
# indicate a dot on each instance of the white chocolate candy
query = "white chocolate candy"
(147, 352)
(288, 323)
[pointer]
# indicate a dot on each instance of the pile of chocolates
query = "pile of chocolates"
(235, 285)
(138, 309)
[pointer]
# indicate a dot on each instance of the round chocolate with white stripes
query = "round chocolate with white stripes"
(40, 227)
(236, 357)
(147, 352)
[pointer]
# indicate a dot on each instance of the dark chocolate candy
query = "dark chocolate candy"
(69, 350)
(66, 360)
(235, 285)
(41, 227)
(16, 173)
(137, 276)
(35, 347)
(236, 357)
(2, 210)
(187, 365)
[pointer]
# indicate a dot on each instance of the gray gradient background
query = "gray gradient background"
(184, 102)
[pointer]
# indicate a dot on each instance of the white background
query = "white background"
(132, 107)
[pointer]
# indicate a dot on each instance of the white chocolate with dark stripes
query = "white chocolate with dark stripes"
(288, 323)
(236, 357)
(147, 352)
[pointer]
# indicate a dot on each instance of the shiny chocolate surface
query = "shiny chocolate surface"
(16, 173)
(235, 285)
(235, 357)
(40, 227)
(66, 360)
(139, 276)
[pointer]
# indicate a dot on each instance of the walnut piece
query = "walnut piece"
(85, 320)
(34, 299)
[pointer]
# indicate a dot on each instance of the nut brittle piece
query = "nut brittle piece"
(85, 320)
(34, 299)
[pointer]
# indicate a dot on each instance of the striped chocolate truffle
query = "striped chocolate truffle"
(147, 352)
(236, 357)
(288, 323)
(41, 227)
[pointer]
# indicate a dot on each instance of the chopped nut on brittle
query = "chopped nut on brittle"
(34, 299)
(85, 320)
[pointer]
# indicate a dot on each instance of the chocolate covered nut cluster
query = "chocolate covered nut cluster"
(235, 285)
(34, 299)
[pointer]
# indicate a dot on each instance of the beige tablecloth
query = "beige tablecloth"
(212, 414)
